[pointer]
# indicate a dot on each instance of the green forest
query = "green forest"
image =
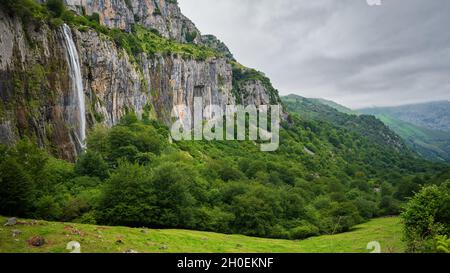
(132, 175)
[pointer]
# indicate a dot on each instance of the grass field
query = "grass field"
(99, 239)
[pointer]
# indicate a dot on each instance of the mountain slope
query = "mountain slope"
(336, 106)
(425, 127)
(366, 126)
(432, 115)
(431, 144)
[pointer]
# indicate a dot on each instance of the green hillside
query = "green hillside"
(431, 144)
(99, 239)
(364, 126)
(323, 179)
(327, 176)
(336, 106)
(431, 115)
(425, 127)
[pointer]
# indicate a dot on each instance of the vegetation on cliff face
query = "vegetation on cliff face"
(139, 40)
(211, 41)
(243, 75)
(36, 98)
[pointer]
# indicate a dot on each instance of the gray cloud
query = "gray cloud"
(343, 50)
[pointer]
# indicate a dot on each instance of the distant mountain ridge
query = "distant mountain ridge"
(431, 144)
(365, 125)
(337, 106)
(422, 126)
(430, 115)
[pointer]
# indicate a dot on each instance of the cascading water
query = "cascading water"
(77, 85)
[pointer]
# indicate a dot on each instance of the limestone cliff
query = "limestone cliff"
(37, 99)
(163, 15)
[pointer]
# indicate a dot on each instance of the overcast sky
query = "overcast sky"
(343, 50)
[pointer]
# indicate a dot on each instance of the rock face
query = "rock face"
(212, 42)
(36, 85)
(254, 92)
(162, 15)
(36, 88)
(114, 84)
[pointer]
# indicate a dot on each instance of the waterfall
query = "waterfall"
(77, 85)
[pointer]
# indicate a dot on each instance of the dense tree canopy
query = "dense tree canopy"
(131, 175)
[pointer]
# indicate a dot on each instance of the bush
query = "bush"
(73, 208)
(190, 36)
(442, 244)
(175, 185)
(92, 164)
(213, 219)
(344, 216)
(95, 17)
(47, 208)
(304, 231)
(225, 170)
(55, 173)
(80, 183)
(56, 7)
(426, 216)
(24, 9)
(128, 197)
(87, 218)
(253, 214)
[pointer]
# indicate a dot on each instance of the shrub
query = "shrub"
(56, 7)
(190, 36)
(92, 164)
(47, 208)
(426, 216)
(81, 183)
(303, 231)
(95, 17)
(24, 9)
(128, 197)
(344, 216)
(254, 215)
(87, 218)
(225, 170)
(128, 153)
(175, 185)
(55, 172)
(442, 244)
(73, 208)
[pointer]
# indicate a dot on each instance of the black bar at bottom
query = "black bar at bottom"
(226, 262)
